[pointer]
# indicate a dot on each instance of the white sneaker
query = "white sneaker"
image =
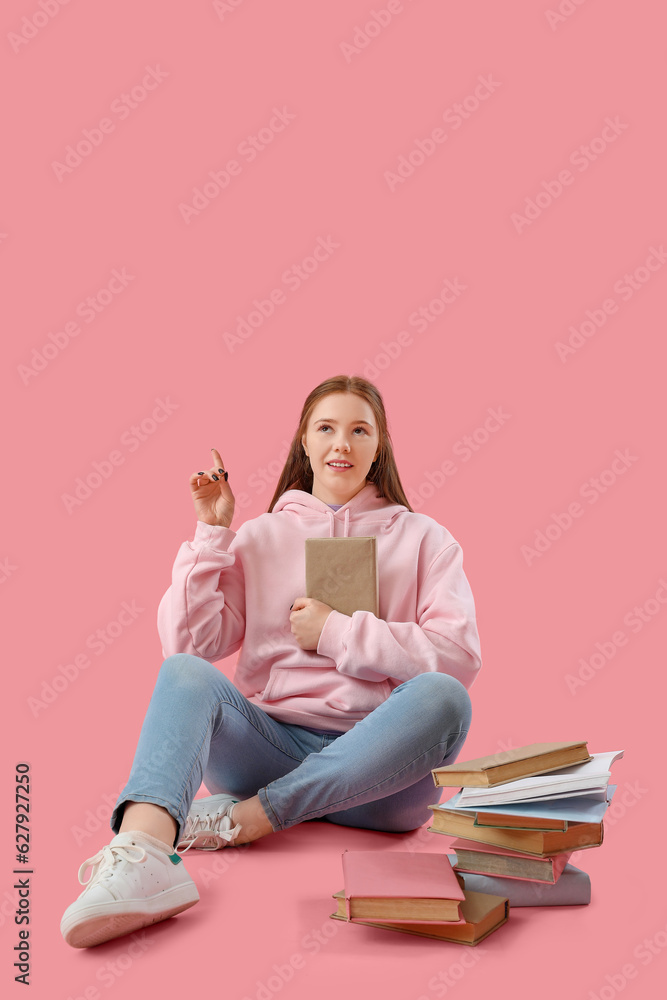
(208, 825)
(133, 883)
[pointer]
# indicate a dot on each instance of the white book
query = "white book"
(589, 778)
(574, 808)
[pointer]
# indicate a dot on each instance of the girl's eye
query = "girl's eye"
(328, 427)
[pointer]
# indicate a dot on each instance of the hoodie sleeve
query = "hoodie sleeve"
(443, 639)
(203, 611)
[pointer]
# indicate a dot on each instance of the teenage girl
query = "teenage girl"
(332, 717)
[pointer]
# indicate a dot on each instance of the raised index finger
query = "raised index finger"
(216, 458)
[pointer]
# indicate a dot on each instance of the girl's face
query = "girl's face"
(341, 429)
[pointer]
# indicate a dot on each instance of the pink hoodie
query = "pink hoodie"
(233, 590)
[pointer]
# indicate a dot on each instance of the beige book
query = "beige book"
(343, 573)
(507, 765)
(578, 836)
(482, 914)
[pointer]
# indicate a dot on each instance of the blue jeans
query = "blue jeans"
(377, 775)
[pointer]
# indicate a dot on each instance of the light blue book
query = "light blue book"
(577, 809)
(572, 888)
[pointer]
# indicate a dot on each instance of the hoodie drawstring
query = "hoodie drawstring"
(346, 524)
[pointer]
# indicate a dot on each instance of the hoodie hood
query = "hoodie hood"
(365, 508)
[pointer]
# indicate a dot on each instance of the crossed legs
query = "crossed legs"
(199, 727)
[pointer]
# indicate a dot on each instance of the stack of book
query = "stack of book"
(416, 893)
(517, 819)
(520, 815)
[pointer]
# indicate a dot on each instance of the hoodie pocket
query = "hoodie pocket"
(323, 686)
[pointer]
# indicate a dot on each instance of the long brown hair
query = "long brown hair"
(297, 473)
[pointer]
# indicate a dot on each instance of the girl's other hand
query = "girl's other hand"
(307, 620)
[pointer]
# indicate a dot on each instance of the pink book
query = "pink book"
(485, 859)
(397, 886)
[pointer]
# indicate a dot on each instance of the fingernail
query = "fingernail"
(200, 473)
(215, 477)
(291, 606)
(225, 477)
(221, 470)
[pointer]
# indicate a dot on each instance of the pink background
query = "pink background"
(218, 76)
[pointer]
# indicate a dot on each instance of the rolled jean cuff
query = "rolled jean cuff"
(117, 819)
(275, 822)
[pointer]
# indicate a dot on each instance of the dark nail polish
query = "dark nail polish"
(200, 473)
(291, 606)
(226, 477)
(214, 477)
(221, 470)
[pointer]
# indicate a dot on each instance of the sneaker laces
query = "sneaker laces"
(104, 861)
(204, 828)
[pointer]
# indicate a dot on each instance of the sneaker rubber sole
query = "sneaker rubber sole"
(99, 923)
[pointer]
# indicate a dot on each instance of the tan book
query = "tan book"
(577, 837)
(510, 822)
(507, 765)
(482, 859)
(482, 915)
(343, 573)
